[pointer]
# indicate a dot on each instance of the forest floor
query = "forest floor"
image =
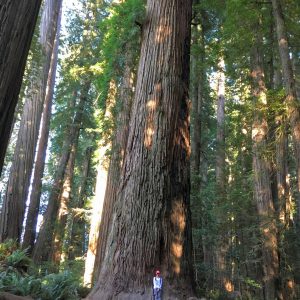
(8, 296)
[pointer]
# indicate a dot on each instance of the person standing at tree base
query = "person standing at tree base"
(157, 286)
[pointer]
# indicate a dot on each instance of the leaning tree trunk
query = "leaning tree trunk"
(42, 248)
(14, 204)
(151, 220)
(17, 21)
(36, 187)
(262, 182)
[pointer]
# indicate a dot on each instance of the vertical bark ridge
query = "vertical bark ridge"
(117, 159)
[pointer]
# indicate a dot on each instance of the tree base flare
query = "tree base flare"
(168, 294)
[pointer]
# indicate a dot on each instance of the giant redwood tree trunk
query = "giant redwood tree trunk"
(17, 21)
(151, 220)
(14, 203)
(262, 182)
(289, 82)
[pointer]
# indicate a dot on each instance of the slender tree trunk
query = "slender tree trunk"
(96, 218)
(222, 246)
(151, 220)
(64, 205)
(262, 183)
(17, 22)
(20, 175)
(74, 246)
(42, 248)
(296, 70)
(220, 157)
(197, 87)
(34, 203)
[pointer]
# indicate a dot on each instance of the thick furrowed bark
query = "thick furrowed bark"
(151, 220)
(17, 21)
(117, 160)
(291, 95)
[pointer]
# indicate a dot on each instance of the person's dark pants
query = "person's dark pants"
(157, 294)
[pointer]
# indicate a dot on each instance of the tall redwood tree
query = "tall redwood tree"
(17, 21)
(151, 219)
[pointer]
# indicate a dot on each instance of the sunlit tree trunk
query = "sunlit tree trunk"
(17, 22)
(97, 206)
(282, 175)
(222, 245)
(262, 183)
(118, 154)
(283, 184)
(99, 199)
(19, 181)
(151, 219)
(42, 249)
(220, 157)
(34, 203)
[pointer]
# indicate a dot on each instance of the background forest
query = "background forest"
(64, 159)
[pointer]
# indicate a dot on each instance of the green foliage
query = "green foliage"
(18, 260)
(18, 285)
(121, 32)
(62, 286)
(17, 278)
